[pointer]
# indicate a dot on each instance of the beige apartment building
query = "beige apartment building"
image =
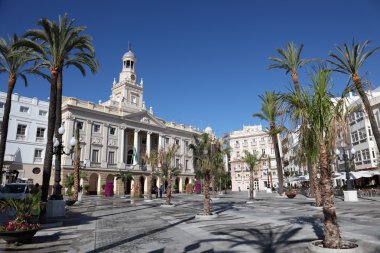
(253, 139)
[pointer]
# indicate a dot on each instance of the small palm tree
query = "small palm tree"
(290, 61)
(168, 168)
(59, 45)
(13, 60)
(349, 61)
(124, 176)
(251, 159)
(153, 161)
(270, 112)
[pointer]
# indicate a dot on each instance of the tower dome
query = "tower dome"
(208, 130)
(129, 55)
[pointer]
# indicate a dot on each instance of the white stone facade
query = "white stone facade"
(120, 134)
(253, 139)
(25, 148)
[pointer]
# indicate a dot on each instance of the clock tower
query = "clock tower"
(127, 90)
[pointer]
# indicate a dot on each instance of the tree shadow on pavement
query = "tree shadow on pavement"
(266, 239)
(316, 224)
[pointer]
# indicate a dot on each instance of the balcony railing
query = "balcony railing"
(40, 139)
(37, 159)
(95, 164)
(20, 137)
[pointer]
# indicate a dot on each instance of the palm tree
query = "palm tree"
(349, 62)
(290, 61)
(300, 111)
(270, 112)
(153, 161)
(251, 160)
(61, 45)
(168, 168)
(324, 120)
(124, 176)
(208, 160)
(13, 60)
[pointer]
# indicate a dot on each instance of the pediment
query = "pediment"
(144, 118)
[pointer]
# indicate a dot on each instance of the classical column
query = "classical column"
(105, 146)
(159, 142)
(121, 146)
(136, 147)
(87, 155)
(148, 144)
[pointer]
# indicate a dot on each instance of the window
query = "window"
(186, 164)
(42, 113)
(80, 125)
(112, 130)
(272, 151)
(362, 133)
(21, 132)
(24, 109)
(133, 99)
(359, 115)
(36, 170)
(166, 140)
(96, 128)
(177, 142)
(95, 156)
(111, 157)
(263, 151)
(2, 105)
(373, 153)
(358, 156)
(352, 117)
(40, 135)
(355, 136)
(365, 154)
(177, 163)
(38, 155)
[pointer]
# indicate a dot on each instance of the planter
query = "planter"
(18, 236)
(291, 195)
(70, 202)
(316, 247)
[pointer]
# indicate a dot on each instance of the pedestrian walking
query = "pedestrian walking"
(156, 190)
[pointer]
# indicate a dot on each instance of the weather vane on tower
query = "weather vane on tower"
(129, 46)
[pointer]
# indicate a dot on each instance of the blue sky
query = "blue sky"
(203, 62)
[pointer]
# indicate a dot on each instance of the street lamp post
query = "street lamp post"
(58, 151)
(345, 157)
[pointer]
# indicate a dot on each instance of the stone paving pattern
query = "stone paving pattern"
(272, 224)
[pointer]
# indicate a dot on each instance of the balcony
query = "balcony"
(40, 139)
(37, 159)
(95, 164)
(20, 137)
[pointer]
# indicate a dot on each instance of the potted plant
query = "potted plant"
(290, 193)
(86, 187)
(22, 228)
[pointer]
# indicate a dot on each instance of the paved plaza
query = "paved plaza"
(272, 224)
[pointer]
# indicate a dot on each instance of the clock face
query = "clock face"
(133, 77)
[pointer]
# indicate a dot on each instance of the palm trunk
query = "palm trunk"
(315, 186)
(57, 191)
(149, 184)
(4, 125)
(251, 186)
(368, 109)
(169, 188)
(206, 191)
(280, 173)
(295, 82)
(76, 164)
(332, 238)
(50, 133)
(311, 178)
(213, 186)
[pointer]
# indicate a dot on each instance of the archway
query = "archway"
(176, 185)
(93, 182)
(109, 186)
(142, 181)
(186, 181)
(153, 185)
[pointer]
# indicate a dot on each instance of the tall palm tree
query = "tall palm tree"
(300, 110)
(251, 159)
(62, 45)
(168, 168)
(153, 161)
(270, 112)
(14, 61)
(349, 61)
(124, 176)
(290, 61)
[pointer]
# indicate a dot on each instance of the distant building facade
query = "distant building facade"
(26, 141)
(120, 134)
(253, 139)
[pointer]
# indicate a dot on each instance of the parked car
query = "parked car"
(16, 190)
